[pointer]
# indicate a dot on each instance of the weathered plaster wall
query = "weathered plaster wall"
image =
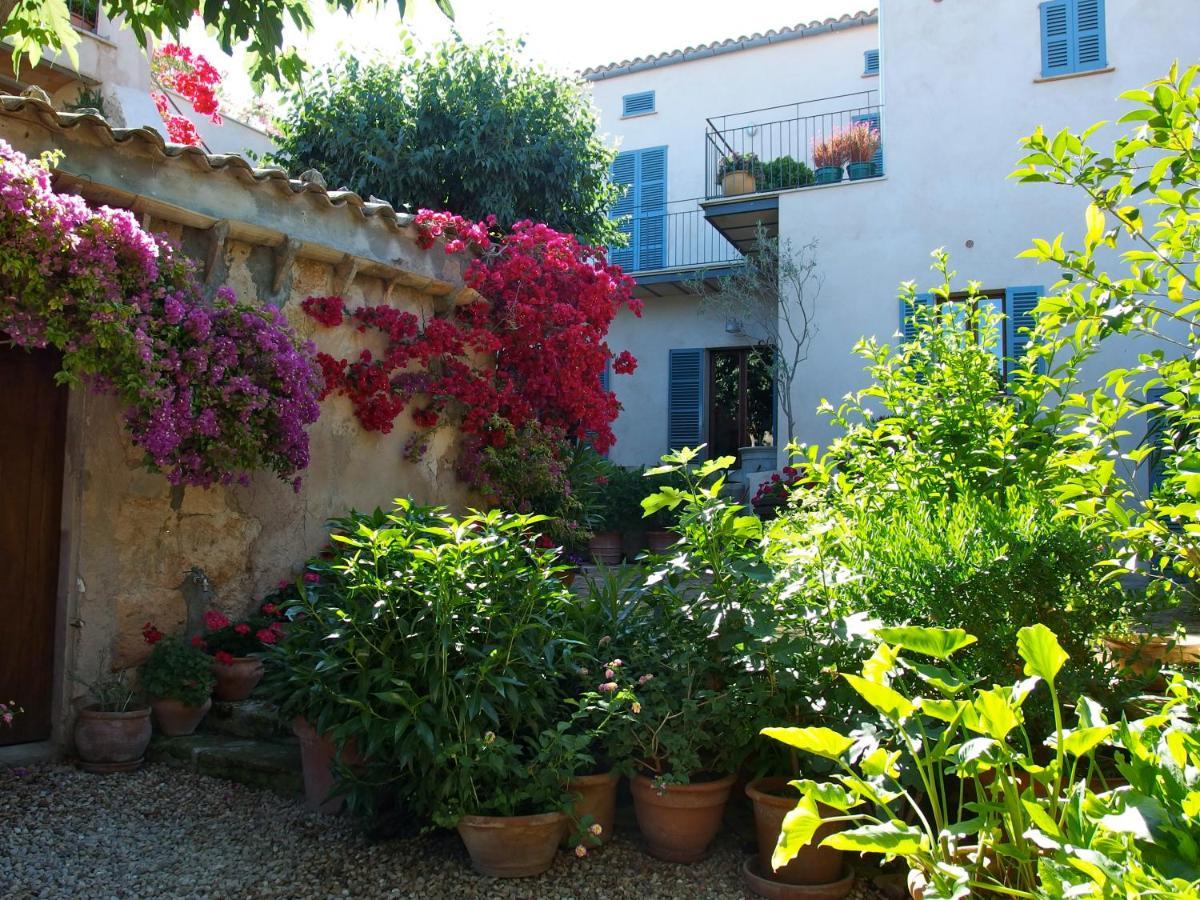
(131, 539)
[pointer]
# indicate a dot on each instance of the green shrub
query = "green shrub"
(784, 172)
(178, 671)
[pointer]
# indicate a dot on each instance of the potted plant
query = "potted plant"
(861, 144)
(828, 156)
(758, 458)
(784, 173)
(113, 730)
(1142, 653)
(737, 173)
(604, 514)
(774, 493)
(178, 679)
(236, 649)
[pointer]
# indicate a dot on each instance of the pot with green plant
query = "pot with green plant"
(828, 158)
(861, 143)
(784, 173)
(113, 730)
(178, 679)
(737, 173)
(236, 649)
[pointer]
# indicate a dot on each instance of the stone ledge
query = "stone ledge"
(274, 765)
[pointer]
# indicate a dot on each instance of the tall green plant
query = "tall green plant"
(476, 130)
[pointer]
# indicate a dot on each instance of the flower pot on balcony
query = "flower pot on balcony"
(740, 182)
(828, 174)
(860, 170)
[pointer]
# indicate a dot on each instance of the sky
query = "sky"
(568, 35)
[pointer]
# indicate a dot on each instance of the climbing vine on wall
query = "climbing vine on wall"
(532, 348)
(212, 391)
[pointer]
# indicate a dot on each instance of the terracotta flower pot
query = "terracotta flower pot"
(1142, 654)
(680, 823)
(175, 718)
(512, 846)
(813, 864)
(597, 800)
(739, 182)
(235, 680)
(660, 540)
(111, 741)
(605, 547)
(317, 752)
(758, 883)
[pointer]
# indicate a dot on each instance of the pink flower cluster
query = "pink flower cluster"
(192, 76)
(212, 390)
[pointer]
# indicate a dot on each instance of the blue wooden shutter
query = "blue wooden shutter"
(624, 175)
(1154, 428)
(606, 376)
(1088, 25)
(1057, 34)
(870, 62)
(685, 399)
(637, 104)
(652, 209)
(1019, 303)
(908, 327)
(872, 119)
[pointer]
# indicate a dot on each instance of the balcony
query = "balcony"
(84, 13)
(779, 140)
(673, 250)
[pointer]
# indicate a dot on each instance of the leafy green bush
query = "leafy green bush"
(178, 671)
(784, 172)
(443, 647)
(476, 130)
(617, 498)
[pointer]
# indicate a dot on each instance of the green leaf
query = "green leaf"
(891, 703)
(893, 838)
(1040, 649)
(815, 740)
(940, 643)
(827, 793)
(799, 826)
(1082, 741)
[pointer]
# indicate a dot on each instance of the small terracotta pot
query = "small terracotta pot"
(813, 864)
(111, 741)
(660, 540)
(175, 718)
(605, 547)
(680, 823)
(758, 883)
(598, 800)
(317, 752)
(237, 679)
(512, 846)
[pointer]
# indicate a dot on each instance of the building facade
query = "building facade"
(951, 86)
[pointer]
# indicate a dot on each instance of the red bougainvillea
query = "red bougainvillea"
(193, 77)
(533, 347)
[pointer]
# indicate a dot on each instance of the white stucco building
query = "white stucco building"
(952, 86)
(111, 66)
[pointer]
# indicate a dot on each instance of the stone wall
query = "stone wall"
(130, 539)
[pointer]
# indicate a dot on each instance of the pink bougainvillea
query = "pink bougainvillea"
(212, 390)
(546, 304)
(193, 77)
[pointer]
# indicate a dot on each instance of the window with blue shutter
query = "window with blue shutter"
(1072, 36)
(1019, 303)
(642, 177)
(606, 376)
(639, 104)
(1154, 430)
(685, 398)
(870, 62)
(872, 119)
(908, 325)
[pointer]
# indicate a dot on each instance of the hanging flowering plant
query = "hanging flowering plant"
(546, 304)
(211, 391)
(193, 77)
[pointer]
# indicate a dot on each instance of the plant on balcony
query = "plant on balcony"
(828, 156)
(861, 143)
(784, 173)
(737, 172)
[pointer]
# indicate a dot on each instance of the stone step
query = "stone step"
(274, 765)
(256, 719)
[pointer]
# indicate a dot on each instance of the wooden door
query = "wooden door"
(32, 426)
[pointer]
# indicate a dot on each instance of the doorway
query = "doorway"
(742, 400)
(33, 417)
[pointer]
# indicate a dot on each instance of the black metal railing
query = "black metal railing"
(775, 144)
(84, 13)
(676, 237)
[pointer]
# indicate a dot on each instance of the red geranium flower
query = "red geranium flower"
(241, 628)
(214, 620)
(266, 635)
(270, 609)
(198, 642)
(223, 657)
(151, 634)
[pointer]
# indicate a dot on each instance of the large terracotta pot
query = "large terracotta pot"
(317, 752)
(512, 846)
(175, 718)
(758, 883)
(1142, 654)
(235, 680)
(111, 741)
(605, 547)
(739, 182)
(660, 540)
(680, 823)
(813, 864)
(597, 803)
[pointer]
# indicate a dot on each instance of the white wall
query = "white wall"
(687, 93)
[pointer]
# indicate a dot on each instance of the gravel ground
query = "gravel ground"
(163, 832)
